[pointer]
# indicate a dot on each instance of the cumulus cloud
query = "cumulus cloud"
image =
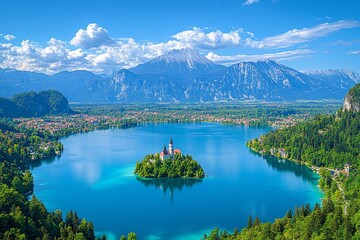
(127, 53)
(354, 52)
(59, 55)
(9, 37)
(280, 56)
(91, 37)
(94, 50)
(297, 36)
(197, 38)
(249, 2)
(54, 57)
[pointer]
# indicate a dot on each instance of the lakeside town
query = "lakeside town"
(89, 118)
(86, 123)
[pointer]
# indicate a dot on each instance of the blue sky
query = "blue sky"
(103, 36)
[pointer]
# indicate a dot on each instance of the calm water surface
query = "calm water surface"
(94, 177)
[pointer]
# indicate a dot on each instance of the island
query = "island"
(169, 163)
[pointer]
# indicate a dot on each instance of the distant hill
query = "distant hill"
(30, 104)
(187, 76)
(8, 108)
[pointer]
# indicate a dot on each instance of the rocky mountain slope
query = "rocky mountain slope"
(352, 99)
(187, 76)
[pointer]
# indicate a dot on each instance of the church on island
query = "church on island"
(169, 154)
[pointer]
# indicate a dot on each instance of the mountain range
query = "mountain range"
(187, 76)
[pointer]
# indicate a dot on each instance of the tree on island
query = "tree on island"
(179, 167)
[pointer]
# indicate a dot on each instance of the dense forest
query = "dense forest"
(31, 104)
(328, 142)
(179, 167)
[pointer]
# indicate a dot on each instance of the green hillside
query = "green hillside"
(31, 104)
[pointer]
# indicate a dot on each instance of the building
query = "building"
(169, 154)
(347, 168)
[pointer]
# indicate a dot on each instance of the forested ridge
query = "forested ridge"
(31, 104)
(328, 142)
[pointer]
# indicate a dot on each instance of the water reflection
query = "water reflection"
(170, 184)
(283, 165)
(98, 167)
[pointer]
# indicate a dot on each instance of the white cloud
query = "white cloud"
(54, 57)
(354, 52)
(297, 36)
(92, 49)
(280, 56)
(94, 36)
(127, 53)
(58, 55)
(344, 43)
(9, 37)
(249, 2)
(197, 38)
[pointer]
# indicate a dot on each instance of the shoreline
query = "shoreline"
(165, 178)
(314, 169)
(180, 179)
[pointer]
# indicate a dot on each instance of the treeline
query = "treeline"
(330, 141)
(31, 104)
(320, 223)
(325, 222)
(181, 166)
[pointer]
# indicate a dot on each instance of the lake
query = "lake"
(94, 176)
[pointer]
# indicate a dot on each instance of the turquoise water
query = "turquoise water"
(94, 177)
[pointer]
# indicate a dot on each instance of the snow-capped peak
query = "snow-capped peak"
(185, 55)
(178, 61)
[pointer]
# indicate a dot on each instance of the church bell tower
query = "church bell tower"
(171, 147)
